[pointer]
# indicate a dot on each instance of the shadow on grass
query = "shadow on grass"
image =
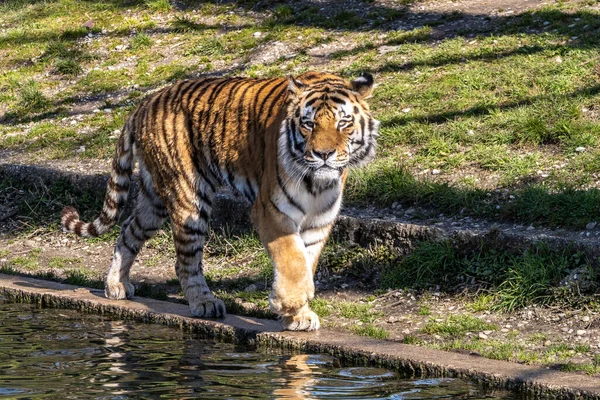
(323, 15)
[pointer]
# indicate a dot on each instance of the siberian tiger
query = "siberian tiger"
(285, 144)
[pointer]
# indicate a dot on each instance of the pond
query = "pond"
(49, 353)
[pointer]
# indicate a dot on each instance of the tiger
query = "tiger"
(285, 144)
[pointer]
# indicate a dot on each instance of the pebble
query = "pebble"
(580, 332)
(251, 288)
(392, 320)
(585, 318)
(547, 343)
(257, 34)
(488, 332)
(436, 172)
(530, 228)
(406, 110)
(580, 149)
(591, 225)
(482, 335)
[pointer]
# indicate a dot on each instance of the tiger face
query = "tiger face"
(330, 127)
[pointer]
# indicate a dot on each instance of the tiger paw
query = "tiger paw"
(305, 320)
(290, 300)
(118, 290)
(210, 308)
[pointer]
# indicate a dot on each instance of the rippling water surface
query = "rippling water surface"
(47, 353)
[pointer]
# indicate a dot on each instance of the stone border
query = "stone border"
(529, 380)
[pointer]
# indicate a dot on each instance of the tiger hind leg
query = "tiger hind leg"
(190, 226)
(148, 216)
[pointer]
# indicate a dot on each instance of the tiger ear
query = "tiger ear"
(363, 85)
(295, 86)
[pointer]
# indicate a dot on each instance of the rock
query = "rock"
(406, 110)
(251, 288)
(392, 320)
(585, 318)
(488, 332)
(580, 332)
(547, 343)
(530, 228)
(482, 336)
(257, 34)
(387, 49)
(580, 149)
(436, 172)
(591, 225)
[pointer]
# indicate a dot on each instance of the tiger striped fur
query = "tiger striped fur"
(285, 144)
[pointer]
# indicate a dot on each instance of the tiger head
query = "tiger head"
(329, 126)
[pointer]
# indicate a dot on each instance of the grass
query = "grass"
(512, 278)
(503, 139)
(370, 330)
(457, 326)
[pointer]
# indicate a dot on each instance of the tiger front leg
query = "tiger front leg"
(293, 284)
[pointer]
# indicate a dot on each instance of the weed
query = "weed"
(140, 41)
(457, 325)
(68, 66)
(321, 307)
(424, 310)
(370, 330)
(31, 99)
(83, 277)
(159, 5)
(482, 302)
(63, 262)
(184, 24)
(411, 339)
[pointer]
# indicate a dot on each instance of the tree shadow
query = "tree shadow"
(322, 15)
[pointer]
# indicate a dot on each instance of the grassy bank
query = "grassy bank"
(496, 120)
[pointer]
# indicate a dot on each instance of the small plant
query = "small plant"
(457, 325)
(411, 339)
(184, 24)
(83, 277)
(159, 5)
(31, 99)
(68, 66)
(140, 41)
(209, 47)
(424, 310)
(370, 330)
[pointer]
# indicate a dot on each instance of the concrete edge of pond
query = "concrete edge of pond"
(529, 380)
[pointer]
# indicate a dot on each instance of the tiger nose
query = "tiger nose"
(324, 154)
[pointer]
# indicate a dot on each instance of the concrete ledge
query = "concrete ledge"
(529, 380)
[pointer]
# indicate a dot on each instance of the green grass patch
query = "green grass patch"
(370, 330)
(63, 262)
(513, 278)
(83, 277)
(457, 325)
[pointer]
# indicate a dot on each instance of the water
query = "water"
(47, 353)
